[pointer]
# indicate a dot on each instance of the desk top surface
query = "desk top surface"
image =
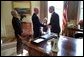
(67, 47)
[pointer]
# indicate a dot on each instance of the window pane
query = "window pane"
(81, 14)
(81, 10)
(81, 4)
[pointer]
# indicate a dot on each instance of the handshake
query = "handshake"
(48, 26)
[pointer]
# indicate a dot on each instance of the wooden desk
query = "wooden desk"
(67, 47)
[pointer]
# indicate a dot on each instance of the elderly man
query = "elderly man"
(36, 23)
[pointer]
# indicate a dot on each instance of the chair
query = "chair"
(27, 29)
(78, 34)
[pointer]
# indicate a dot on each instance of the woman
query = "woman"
(45, 23)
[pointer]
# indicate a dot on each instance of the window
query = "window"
(80, 21)
(81, 11)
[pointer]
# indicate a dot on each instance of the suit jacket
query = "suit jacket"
(54, 22)
(36, 22)
(16, 25)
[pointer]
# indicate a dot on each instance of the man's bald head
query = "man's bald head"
(36, 10)
(51, 9)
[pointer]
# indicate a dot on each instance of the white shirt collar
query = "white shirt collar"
(52, 12)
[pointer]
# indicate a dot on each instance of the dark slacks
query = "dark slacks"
(19, 44)
(37, 33)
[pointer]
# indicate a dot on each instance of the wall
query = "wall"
(6, 18)
(73, 12)
(6, 26)
(73, 8)
(44, 9)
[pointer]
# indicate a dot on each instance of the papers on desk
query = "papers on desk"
(46, 36)
(79, 32)
(38, 40)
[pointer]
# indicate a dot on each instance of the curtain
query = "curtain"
(65, 19)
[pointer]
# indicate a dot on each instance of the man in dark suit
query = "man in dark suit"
(17, 29)
(54, 21)
(36, 23)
